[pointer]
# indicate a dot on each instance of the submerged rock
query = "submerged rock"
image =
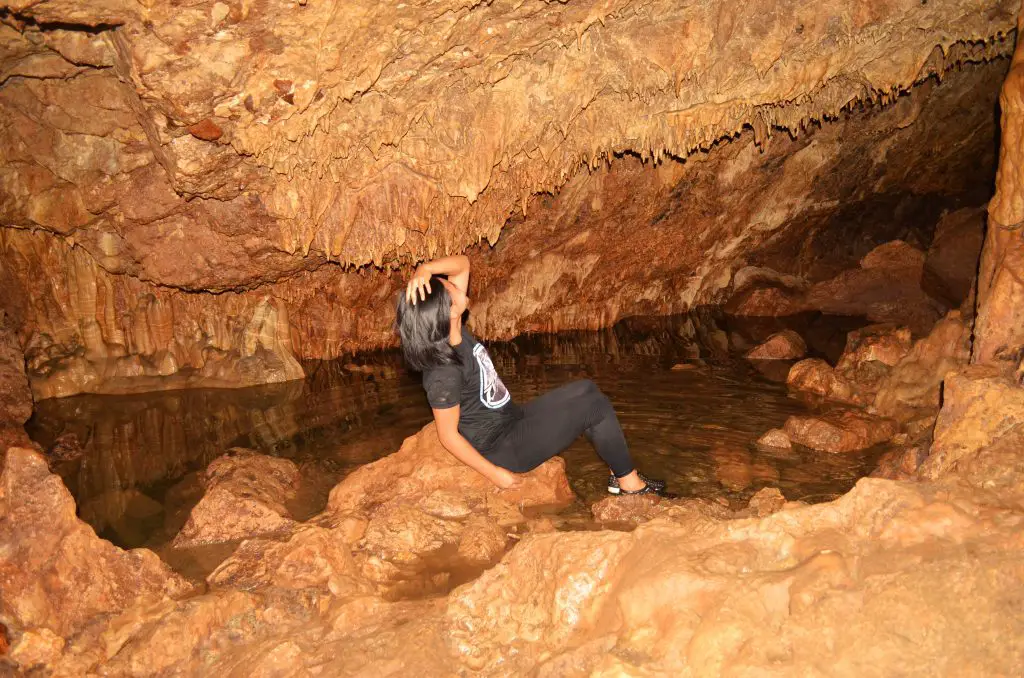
(838, 432)
(775, 438)
(245, 495)
(785, 345)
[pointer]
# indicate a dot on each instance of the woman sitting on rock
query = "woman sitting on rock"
(477, 421)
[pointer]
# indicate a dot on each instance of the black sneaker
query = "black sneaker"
(648, 489)
(613, 484)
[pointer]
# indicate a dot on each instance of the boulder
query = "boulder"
(817, 377)
(56, 574)
(312, 558)
(245, 495)
(883, 343)
(886, 288)
(785, 345)
(429, 517)
(423, 466)
(838, 432)
(783, 594)
(772, 302)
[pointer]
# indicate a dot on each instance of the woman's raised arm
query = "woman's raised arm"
(456, 268)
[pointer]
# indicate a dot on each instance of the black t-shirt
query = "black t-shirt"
(487, 410)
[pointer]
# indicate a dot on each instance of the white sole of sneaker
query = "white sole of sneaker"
(614, 490)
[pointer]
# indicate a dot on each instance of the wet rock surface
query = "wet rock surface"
(785, 345)
(838, 432)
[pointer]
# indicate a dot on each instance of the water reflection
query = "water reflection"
(131, 461)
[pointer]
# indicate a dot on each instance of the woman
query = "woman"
(477, 421)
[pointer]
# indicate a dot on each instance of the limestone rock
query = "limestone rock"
(839, 432)
(980, 431)
(817, 377)
(626, 509)
(809, 573)
(312, 558)
(901, 463)
(913, 385)
(887, 288)
(775, 438)
(951, 263)
(428, 516)
(245, 497)
(766, 501)
(785, 345)
(15, 396)
(57, 574)
(422, 467)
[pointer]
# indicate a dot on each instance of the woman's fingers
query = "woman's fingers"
(417, 290)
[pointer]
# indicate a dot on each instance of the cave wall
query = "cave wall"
(186, 189)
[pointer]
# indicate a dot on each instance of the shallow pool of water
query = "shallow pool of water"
(690, 407)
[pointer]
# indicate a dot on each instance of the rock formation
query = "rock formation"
(184, 182)
(200, 187)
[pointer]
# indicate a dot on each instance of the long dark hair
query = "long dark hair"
(424, 328)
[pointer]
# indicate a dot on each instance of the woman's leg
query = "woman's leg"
(554, 420)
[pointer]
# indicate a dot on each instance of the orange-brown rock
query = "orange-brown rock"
(839, 432)
(427, 514)
(817, 377)
(245, 496)
(979, 433)
(913, 385)
(775, 438)
(951, 263)
(886, 288)
(423, 472)
(15, 396)
(57, 576)
(311, 558)
(901, 463)
(999, 330)
(766, 501)
(785, 345)
(821, 585)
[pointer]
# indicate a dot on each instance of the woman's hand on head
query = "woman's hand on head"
(418, 287)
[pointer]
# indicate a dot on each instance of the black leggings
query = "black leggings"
(554, 420)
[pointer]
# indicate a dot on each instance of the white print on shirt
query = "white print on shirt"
(493, 393)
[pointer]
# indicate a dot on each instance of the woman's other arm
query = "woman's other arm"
(448, 431)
